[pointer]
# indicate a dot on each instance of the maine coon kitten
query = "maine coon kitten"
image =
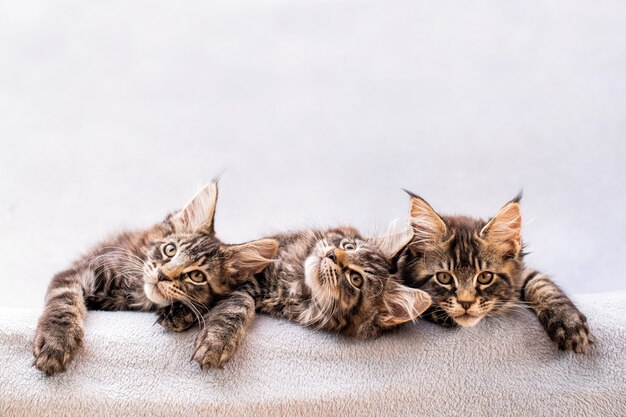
(335, 280)
(178, 260)
(472, 269)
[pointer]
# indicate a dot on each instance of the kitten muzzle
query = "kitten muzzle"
(338, 256)
(467, 320)
(162, 277)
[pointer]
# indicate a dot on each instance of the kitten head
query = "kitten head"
(352, 279)
(190, 264)
(470, 267)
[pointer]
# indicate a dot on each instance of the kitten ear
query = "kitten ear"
(504, 230)
(247, 259)
(393, 241)
(428, 227)
(402, 304)
(199, 214)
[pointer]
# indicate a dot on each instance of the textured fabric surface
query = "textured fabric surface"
(501, 367)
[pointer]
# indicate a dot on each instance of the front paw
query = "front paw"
(54, 350)
(176, 317)
(568, 328)
(213, 349)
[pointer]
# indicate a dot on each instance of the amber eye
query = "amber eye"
(485, 278)
(356, 279)
(444, 278)
(197, 276)
(169, 250)
(349, 246)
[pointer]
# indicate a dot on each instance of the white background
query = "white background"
(318, 112)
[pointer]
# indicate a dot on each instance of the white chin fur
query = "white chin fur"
(311, 271)
(465, 321)
(155, 295)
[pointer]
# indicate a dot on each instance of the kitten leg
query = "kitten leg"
(176, 317)
(60, 329)
(226, 325)
(563, 322)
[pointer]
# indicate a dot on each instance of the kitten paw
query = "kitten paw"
(213, 350)
(176, 318)
(568, 329)
(53, 351)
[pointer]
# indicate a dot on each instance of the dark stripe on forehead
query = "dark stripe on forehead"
(464, 249)
(506, 278)
(185, 245)
(203, 246)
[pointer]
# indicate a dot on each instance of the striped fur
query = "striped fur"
(565, 324)
(133, 271)
(452, 258)
(309, 283)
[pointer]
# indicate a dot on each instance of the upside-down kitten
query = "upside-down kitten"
(335, 280)
(178, 260)
(472, 269)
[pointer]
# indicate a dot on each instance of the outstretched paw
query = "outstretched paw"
(176, 317)
(568, 328)
(54, 350)
(213, 350)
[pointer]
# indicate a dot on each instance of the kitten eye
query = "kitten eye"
(349, 246)
(197, 276)
(169, 250)
(485, 278)
(444, 278)
(356, 279)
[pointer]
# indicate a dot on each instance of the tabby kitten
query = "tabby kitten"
(472, 269)
(178, 260)
(335, 280)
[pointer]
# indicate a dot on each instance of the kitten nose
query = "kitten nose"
(331, 255)
(466, 304)
(162, 277)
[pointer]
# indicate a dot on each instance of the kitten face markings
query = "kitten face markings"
(350, 275)
(334, 274)
(469, 301)
(183, 267)
(467, 265)
(473, 269)
(191, 265)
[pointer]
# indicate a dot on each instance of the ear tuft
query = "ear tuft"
(250, 258)
(518, 197)
(429, 228)
(402, 304)
(504, 230)
(198, 216)
(393, 241)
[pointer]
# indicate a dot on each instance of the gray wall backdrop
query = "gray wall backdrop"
(318, 112)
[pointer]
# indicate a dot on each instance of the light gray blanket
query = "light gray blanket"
(130, 367)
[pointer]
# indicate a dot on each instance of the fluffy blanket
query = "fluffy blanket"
(130, 367)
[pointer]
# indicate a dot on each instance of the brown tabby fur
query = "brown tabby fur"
(132, 271)
(463, 250)
(310, 283)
